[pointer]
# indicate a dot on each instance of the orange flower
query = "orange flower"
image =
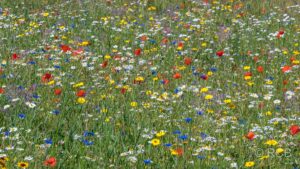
(51, 162)
(177, 76)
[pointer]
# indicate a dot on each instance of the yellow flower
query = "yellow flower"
(271, 142)
(279, 150)
(139, 79)
(250, 83)
(247, 77)
(209, 97)
(268, 113)
(107, 56)
(133, 104)
(246, 67)
(227, 101)
(209, 73)
(51, 82)
(160, 133)
(45, 14)
(78, 84)
(264, 157)
(155, 142)
(173, 152)
(81, 100)
(203, 90)
(23, 164)
(249, 164)
(203, 44)
(269, 82)
(148, 92)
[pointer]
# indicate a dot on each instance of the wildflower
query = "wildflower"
(177, 76)
(133, 104)
(1, 90)
(286, 69)
(294, 129)
(271, 142)
(250, 135)
(249, 164)
(209, 97)
(268, 113)
(23, 164)
(81, 93)
(15, 56)
(51, 162)
(203, 90)
(187, 61)
(160, 133)
(81, 100)
(264, 157)
(138, 52)
(279, 150)
(65, 48)
(57, 91)
(147, 161)
(220, 53)
(80, 84)
(155, 142)
(260, 69)
(46, 77)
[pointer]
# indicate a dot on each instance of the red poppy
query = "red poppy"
(220, 53)
(286, 69)
(15, 56)
(179, 151)
(248, 74)
(177, 76)
(187, 61)
(1, 90)
(65, 48)
(117, 57)
(104, 64)
(260, 69)
(294, 129)
(123, 90)
(57, 91)
(285, 82)
(180, 44)
(50, 162)
(166, 81)
(138, 52)
(46, 77)
(250, 135)
(80, 93)
(292, 59)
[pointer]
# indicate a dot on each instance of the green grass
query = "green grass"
(124, 113)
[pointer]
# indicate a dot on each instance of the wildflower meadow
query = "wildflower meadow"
(130, 84)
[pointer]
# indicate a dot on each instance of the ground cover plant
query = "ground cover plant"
(149, 84)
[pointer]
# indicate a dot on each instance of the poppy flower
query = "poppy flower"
(65, 48)
(51, 162)
(187, 61)
(286, 69)
(15, 56)
(177, 76)
(57, 91)
(80, 93)
(250, 135)
(260, 69)
(166, 81)
(179, 151)
(123, 90)
(294, 129)
(138, 52)
(46, 77)
(180, 44)
(104, 64)
(280, 34)
(248, 74)
(220, 53)
(1, 90)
